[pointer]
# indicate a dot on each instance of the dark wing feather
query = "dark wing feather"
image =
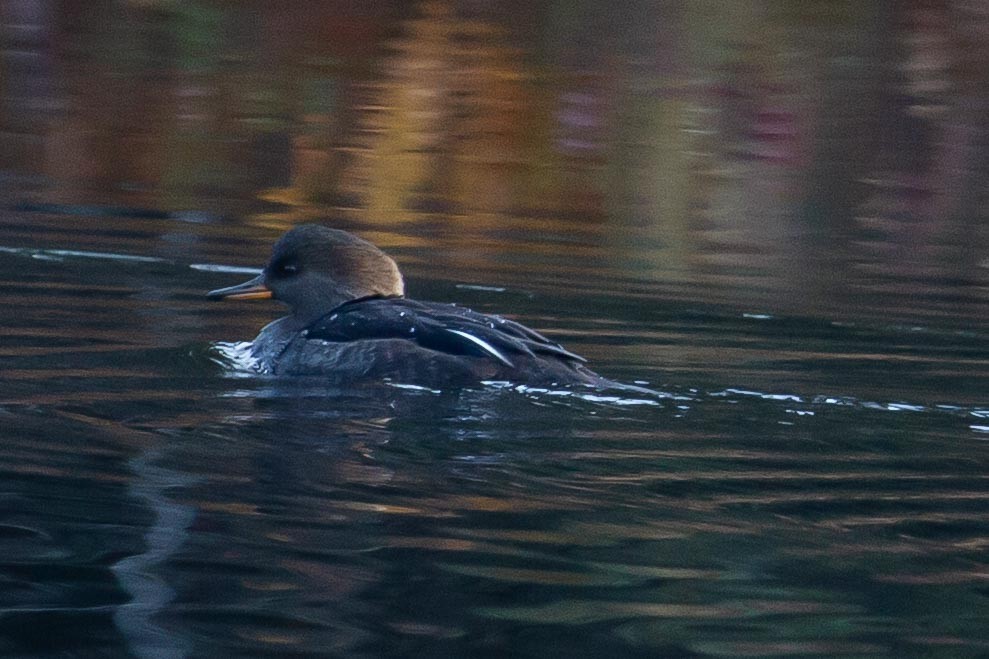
(442, 327)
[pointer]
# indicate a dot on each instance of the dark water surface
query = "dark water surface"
(786, 241)
(799, 486)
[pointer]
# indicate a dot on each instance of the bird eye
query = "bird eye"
(286, 269)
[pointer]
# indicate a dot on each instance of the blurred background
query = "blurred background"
(772, 212)
(811, 145)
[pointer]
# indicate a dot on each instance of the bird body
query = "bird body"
(350, 321)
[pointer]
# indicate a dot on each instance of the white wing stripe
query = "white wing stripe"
(487, 347)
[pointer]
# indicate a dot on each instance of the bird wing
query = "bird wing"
(445, 328)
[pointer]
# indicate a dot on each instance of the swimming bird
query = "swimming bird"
(349, 319)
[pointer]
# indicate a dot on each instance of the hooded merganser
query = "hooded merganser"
(349, 319)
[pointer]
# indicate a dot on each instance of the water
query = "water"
(810, 477)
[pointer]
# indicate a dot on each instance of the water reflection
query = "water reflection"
(149, 595)
(855, 130)
(772, 213)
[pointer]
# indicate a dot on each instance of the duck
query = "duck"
(349, 320)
